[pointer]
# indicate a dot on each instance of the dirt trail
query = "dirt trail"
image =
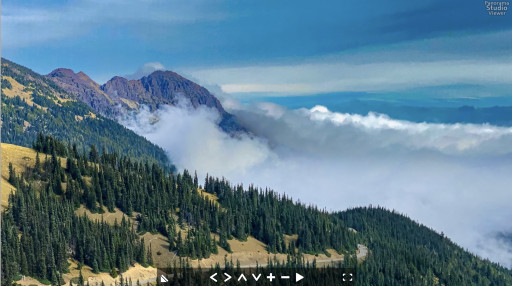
(362, 252)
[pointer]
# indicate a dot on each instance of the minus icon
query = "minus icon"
(285, 277)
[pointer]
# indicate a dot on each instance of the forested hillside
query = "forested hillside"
(32, 103)
(407, 253)
(46, 231)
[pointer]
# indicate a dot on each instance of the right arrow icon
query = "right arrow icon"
(227, 279)
(298, 277)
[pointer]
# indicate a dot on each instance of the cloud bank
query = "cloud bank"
(454, 178)
(325, 77)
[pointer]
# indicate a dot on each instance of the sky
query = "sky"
(269, 47)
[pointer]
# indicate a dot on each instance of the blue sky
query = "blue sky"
(269, 47)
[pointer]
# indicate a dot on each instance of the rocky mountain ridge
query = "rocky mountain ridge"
(120, 95)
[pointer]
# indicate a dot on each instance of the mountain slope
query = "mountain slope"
(154, 201)
(407, 253)
(119, 95)
(31, 104)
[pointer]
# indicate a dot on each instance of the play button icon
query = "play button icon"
(298, 277)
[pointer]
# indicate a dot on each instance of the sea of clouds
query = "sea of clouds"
(455, 178)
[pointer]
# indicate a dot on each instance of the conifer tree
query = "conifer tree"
(12, 174)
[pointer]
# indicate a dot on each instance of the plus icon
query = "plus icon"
(271, 277)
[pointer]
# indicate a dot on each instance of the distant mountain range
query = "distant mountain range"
(495, 115)
(494, 111)
(120, 95)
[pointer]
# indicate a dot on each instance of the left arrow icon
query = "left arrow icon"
(213, 277)
(227, 275)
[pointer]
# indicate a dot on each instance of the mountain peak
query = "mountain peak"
(61, 72)
(164, 73)
(82, 74)
(159, 88)
(84, 88)
(119, 78)
(162, 87)
(166, 88)
(68, 75)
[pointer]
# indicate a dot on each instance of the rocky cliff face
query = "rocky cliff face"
(88, 91)
(161, 87)
(120, 95)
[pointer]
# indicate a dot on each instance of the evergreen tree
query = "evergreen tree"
(93, 154)
(12, 174)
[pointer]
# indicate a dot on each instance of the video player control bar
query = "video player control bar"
(255, 276)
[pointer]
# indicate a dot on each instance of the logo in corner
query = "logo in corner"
(497, 8)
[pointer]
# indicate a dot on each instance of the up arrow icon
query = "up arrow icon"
(242, 276)
(298, 277)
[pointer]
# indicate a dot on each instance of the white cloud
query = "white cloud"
(193, 139)
(454, 178)
(446, 138)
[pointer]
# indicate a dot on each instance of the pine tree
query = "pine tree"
(12, 174)
(113, 272)
(95, 267)
(80, 279)
(150, 255)
(37, 166)
(171, 236)
(93, 154)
